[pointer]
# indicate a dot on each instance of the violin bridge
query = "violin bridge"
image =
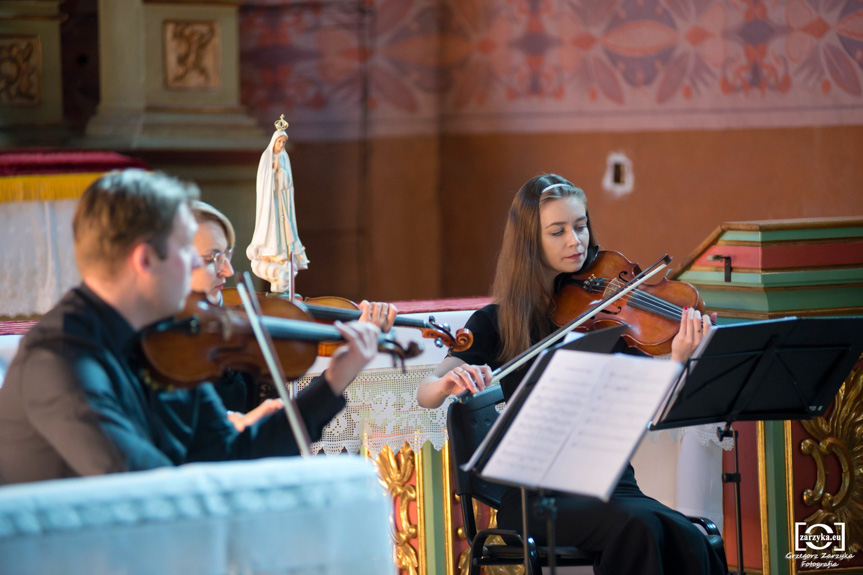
(612, 288)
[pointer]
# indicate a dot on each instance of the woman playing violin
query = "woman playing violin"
(548, 233)
(247, 399)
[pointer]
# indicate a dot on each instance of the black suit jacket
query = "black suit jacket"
(73, 404)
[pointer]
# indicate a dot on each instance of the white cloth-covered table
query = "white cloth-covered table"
(8, 348)
(280, 516)
(37, 259)
(680, 471)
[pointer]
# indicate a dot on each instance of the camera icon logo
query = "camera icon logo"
(819, 537)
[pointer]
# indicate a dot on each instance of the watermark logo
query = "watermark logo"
(819, 546)
(819, 537)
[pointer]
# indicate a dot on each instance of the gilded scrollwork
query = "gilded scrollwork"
(192, 55)
(20, 71)
(395, 472)
(840, 434)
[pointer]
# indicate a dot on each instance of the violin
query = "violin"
(651, 313)
(205, 340)
(616, 292)
(331, 308)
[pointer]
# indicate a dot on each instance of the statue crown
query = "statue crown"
(281, 124)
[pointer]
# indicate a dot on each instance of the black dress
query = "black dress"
(631, 533)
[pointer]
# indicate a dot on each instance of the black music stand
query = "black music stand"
(606, 341)
(785, 369)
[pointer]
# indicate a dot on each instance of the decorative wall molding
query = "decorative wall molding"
(192, 52)
(20, 71)
(458, 66)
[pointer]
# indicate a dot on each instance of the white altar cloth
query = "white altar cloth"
(279, 516)
(37, 258)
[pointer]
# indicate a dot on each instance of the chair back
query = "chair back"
(468, 422)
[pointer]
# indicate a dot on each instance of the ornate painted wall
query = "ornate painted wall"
(545, 65)
(728, 110)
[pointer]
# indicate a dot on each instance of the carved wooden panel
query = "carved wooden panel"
(192, 50)
(397, 473)
(836, 446)
(20, 71)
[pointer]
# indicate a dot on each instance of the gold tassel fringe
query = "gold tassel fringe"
(45, 187)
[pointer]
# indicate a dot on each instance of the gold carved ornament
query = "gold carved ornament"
(395, 471)
(839, 434)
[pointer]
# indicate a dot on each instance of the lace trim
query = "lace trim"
(383, 411)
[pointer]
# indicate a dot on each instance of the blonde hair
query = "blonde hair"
(524, 301)
(204, 212)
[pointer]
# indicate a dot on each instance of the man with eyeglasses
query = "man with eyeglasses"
(75, 402)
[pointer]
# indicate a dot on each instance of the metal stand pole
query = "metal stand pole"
(524, 536)
(735, 479)
(549, 509)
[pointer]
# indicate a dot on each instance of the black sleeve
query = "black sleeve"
(237, 391)
(73, 402)
(486, 340)
(217, 439)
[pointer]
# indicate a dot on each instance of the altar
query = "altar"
(38, 193)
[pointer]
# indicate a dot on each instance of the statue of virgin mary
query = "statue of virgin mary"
(276, 252)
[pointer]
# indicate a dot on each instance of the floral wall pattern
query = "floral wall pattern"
(344, 69)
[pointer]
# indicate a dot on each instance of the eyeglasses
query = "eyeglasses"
(218, 258)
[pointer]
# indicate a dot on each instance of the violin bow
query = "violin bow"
(253, 310)
(548, 341)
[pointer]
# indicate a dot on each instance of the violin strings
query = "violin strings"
(640, 299)
(657, 303)
(648, 302)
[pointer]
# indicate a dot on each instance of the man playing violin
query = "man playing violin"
(74, 402)
(246, 399)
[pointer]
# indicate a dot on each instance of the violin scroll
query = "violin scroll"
(443, 337)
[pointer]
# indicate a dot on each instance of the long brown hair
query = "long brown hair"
(518, 288)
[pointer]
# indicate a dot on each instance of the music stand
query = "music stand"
(601, 341)
(785, 369)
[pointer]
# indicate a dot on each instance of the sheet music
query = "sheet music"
(581, 423)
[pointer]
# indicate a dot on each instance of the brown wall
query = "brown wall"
(368, 215)
(369, 218)
(686, 184)
(413, 218)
